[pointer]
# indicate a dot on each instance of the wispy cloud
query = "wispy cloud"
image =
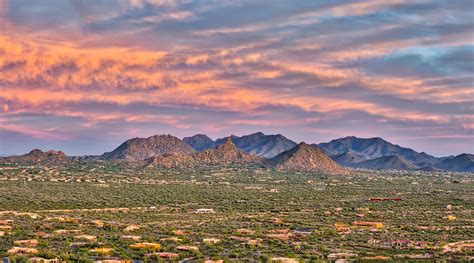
(102, 71)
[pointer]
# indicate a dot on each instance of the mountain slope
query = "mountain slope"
(199, 142)
(367, 149)
(38, 156)
(138, 149)
(304, 157)
(430, 168)
(391, 162)
(461, 163)
(225, 153)
(347, 159)
(262, 145)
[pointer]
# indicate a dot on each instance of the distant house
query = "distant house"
(205, 211)
(86, 237)
(6, 228)
(211, 240)
(66, 231)
(244, 231)
(283, 260)
(398, 244)
(373, 242)
(98, 223)
(188, 248)
(179, 232)
(277, 221)
(164, 255)
(377, 258)
(385, 199)
(26, 242)
(419, 245)
(31, 215)
(172, 239)
(131, 228)
(367, 224)
(378, 199)
(102, 250)
(134, 238)
(254, 242)
(451, 218)
(7, 222)
(461, 246)
(42, 234)
(63, 219)
(303, 231)
(43, 260)
(22, 251)
(281, 236)
(145, 245)
(340, 227)
(341, 255)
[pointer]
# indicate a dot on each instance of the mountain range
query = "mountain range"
(274, 151)
(461, 163)
(266, 146)
(377, 153)
(361, 149)
(302, 157)
(226, 153)
(390, 162)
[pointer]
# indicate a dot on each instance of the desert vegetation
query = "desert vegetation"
(102, 210)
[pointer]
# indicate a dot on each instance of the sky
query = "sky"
(84, 76)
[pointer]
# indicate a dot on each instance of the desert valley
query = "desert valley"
(253, 198)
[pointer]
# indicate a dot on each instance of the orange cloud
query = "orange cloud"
(36, 74)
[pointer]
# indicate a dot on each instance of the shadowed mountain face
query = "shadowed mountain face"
(347, 159)
(262, 145)
(199, 142)
(225, 153)
(304, 157)
(38, 156)
(138, 149)
(392, 162)
(461, 163)
(366, 149)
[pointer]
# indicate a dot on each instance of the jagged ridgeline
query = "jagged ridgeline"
(226, 153)
(272, 151)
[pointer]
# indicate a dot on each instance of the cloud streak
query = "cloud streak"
(95, 73)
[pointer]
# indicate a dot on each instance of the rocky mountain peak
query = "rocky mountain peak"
(304, 157)
(225, 153)
(35, 151)
(138, 149)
